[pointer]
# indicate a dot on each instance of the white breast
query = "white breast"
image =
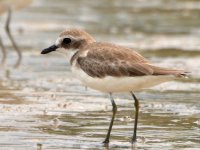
(119, 84)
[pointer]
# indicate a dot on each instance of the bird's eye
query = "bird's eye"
(66, 40)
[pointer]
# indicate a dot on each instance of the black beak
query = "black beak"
(49, 49)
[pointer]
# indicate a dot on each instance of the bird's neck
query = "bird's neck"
(84, 43)
(79, 48)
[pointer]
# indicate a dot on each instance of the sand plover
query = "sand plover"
(111, 68)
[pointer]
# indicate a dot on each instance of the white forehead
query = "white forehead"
(59, 41)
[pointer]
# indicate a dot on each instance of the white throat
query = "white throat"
(66, 53)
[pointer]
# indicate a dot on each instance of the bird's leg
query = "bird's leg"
(4, 55)
(136, 117)
(112, 120)
(7, 28)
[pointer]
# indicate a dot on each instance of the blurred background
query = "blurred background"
(43, 107)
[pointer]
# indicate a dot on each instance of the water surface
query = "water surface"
(43, 106)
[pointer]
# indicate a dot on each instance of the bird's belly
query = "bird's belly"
(119, 84)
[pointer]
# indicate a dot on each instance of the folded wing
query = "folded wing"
(112, 60)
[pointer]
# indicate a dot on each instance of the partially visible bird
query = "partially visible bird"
(7, 6)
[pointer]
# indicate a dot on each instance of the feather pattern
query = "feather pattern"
(105, 59)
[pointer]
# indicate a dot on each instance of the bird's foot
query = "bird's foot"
(138, 139)
(106, 142)
(134, 140)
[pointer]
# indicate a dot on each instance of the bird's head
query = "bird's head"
(70, 39)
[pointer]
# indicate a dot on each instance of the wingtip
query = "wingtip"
(184, 74)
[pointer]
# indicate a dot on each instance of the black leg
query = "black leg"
(14, 44)
(136, 117)
(112, 120)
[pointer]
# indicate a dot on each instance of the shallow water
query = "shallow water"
(43, 107)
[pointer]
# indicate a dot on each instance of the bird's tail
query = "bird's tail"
(164, 71)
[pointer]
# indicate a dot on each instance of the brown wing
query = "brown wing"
(105, 59)
(111, 60)
(107, 51)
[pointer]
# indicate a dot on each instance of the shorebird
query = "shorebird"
(16, 48)
(7, 6)
(110, 68)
